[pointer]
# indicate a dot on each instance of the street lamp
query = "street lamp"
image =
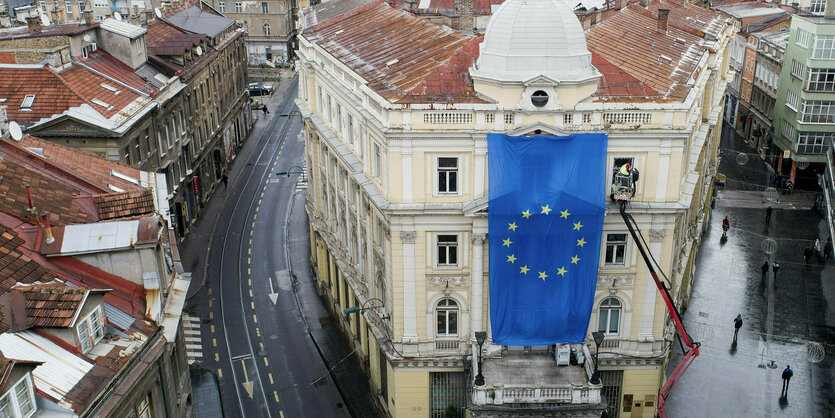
(363, 308)
(598, 338)
(290, 171)
(480, 336)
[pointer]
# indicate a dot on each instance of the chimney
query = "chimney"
(31, 212)
(88, 17)
(795, 8)
(465, 14)
(34, 23)
(595, 19)
(47, 230)
(149, 15)
(644, 3)
(663, 15)
(621, 4)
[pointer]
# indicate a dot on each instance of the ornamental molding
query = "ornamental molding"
(408, 237)
(444, 281)
(526, 104)
(614, 281)
(656, 235)
(478, 239)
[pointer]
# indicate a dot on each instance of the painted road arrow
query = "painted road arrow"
(248, 385)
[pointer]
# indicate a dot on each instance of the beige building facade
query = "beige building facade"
(396, 114)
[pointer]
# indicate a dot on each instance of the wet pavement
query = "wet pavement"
(787, 321)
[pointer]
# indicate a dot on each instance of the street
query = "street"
(260, 313)
(786, 321)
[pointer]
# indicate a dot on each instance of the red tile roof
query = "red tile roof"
(51, 30)
(57, 92)
(398, 54)
(125, 205)
(106, 64)
(51, 305)
(163, 38)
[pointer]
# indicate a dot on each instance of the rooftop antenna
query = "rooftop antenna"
(14, 129)
(117, 16)
(158, 12)
(87, 38)
(45, 19)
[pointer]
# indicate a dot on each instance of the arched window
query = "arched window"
(447, 318)
(608, 319)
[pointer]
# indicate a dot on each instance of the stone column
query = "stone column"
(409, 295)
(477, 285)
(650, 291)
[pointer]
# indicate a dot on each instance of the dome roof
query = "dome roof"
(528, 38)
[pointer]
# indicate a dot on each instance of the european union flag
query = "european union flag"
(547, 202)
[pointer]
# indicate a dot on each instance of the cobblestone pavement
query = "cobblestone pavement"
(789, 321)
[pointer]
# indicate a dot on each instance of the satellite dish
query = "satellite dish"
(45, 20)
(199, 50)
(14, 129)
(117, 16)
(87, 38)
(158, 12)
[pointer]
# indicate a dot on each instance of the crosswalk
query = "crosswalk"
(301, 184)
(194, 346)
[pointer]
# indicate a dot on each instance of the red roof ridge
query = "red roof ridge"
(60, 77)
(86, 184)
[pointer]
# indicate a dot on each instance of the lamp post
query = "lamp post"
(480, 336)
(363, 308)
(598, 338)
(290, 171)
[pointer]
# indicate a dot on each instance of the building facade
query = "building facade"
(269, 25)
(398, 189)
(805, 113)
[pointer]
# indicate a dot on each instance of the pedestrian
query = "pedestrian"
(768, 214)
(737, 325)
(807, 253)
(787, 375)
(775, 267)
(726, 224)
(827, 249)
(264, 109)
(764, 268)
(225, 180)
(818, 248)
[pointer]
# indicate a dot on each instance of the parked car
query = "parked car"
(264, 90)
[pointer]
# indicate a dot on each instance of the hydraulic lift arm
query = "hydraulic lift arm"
(692, 347)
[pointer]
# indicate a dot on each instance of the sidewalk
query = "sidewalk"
(786, 321)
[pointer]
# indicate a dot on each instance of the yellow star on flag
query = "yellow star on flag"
(545, 209)
(524, 269)
(542, 275)
(526, 214)
(561, 271)
(577, 226)
(581, 242)
(575, 259)
(507, 243)
(564, 214)
(511, 258)
(512, 226)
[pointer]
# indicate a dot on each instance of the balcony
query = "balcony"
(533, 380)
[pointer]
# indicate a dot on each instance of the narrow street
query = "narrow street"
(787, 321)
(261, 320)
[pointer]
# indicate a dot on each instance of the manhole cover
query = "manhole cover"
(704, 314)
(273, 337)
(769, 246)
(771, 194)
(815, 351)
(742, 158)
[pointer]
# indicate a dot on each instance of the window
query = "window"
(816, 111)
(143, 410)
(68, 6)
(265, 7)
(811, 143)
(80, 6)
(43, 5)
(821, 79)
(446, 316)
(28, 101)
(90, 330)
(787, 130)
(612, 381)
(817, 7)
(19, 402)
(237, 7)
(792, 100)
(448, 175)
(447, 250)
(139, 46)
(222, 6)
(567, 119)
(350, 128)
(445, 389)
(377, 160)
(608, 317)
(615, 249)
(266, 28)
(803, 38)
(798, 69)
(824, 47)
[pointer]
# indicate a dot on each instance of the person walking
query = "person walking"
(827, 249)
(726, 225)
(775, 267)
(764, 268)
(787, 375)
(768, 211)
(737, 325)
(807, 253)
(818, 248)
(225, 180)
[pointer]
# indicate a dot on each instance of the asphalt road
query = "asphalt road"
(254, 332)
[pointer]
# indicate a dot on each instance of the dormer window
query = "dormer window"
(20, 400)
(90, 330)
(27, 102)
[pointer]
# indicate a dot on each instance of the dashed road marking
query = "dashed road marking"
(266, 363)
(275, 394)
(219, 373)
(272, 382)
(254, 319)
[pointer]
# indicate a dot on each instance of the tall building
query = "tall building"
(396, 112)
(805, 114)
(270, 28)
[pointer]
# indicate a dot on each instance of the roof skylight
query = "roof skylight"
(28, 101)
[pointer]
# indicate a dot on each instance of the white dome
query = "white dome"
(528, 38)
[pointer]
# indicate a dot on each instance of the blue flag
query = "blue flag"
(547, 202)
